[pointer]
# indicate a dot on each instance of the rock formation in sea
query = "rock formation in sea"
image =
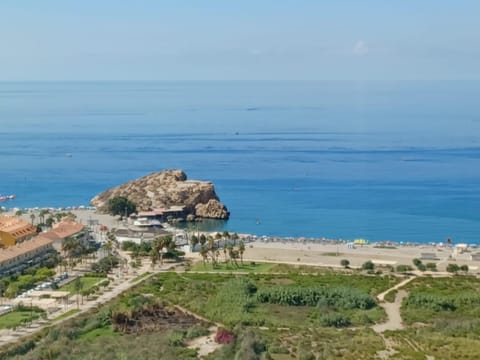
(165, 189)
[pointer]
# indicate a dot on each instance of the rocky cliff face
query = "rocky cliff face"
(168, 188)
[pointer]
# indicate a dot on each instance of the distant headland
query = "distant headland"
(166, 189)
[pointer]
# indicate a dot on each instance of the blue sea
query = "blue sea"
(379, 160)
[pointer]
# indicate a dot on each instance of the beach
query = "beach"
(324, 254)
(309, 251)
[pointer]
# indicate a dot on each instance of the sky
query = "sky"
(86, 40)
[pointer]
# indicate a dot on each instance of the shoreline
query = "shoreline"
(316, 251)
(253, 237)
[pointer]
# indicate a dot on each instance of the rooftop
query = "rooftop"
(13, 251)
(16, 227)
(66, 228)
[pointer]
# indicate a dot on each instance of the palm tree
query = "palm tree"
(212, 248)
(230, 252)
(42, 214)
(241, 250)
(235, 257)
(204, 253)
(225, 253)
(50, 221)
(78, 287)
(32, 217)
(159, 246)
(235, 237)
(193, 241)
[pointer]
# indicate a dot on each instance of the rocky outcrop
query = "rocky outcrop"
(165, 189)
(212, 209)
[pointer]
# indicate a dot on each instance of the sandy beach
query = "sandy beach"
(321, 252)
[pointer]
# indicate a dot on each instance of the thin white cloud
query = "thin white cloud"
(360, 48)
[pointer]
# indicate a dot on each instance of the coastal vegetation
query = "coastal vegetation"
(438, 299)
(148, 313)
(251, 266)
(121, 206)
(442, 315)
(281, 312)
(162, 247)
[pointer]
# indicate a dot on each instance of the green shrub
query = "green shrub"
(334, 319)
(368, 265)
(404, 268)
(453, 268)
(196, 331)
(422, 267)
(175, 338)
(340, 297)
(444, 302)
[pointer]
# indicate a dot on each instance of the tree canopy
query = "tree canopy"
(121, 206)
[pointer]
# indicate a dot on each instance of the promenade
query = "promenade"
(122, 282)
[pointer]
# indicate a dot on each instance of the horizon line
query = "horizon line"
(234, 80)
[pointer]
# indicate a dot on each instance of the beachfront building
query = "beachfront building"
(155, 217)
(17, 258)
(65, 229)
(14, 230)
(139, 234)
(152, 218)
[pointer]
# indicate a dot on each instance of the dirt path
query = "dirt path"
(381, 296)
(205, 344)
(394, 319)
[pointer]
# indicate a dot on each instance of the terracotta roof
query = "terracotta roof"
(16, 227)
(49, 235)
(66, 228)
(23, 248)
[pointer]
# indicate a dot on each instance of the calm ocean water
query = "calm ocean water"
(385, 161)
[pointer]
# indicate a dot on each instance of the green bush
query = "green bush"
(453, 268)
(18, 350)
(196, 331)
(175, 338)
(340, 297)
(444, 302)
(404, 268)
(422, 267)
(368, 265)
(334, 319)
